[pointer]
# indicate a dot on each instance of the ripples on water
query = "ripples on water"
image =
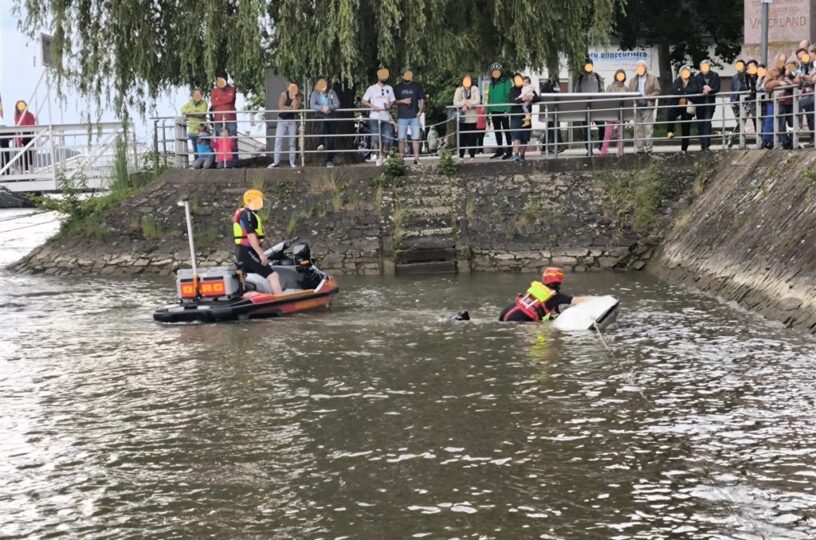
(382, 420)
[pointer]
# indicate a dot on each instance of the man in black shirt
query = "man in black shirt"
(410, 105)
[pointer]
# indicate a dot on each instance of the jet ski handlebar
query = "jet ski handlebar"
(277, 251)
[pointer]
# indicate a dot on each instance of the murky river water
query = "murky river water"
(380, 419)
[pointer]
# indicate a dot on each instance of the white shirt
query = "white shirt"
(381, 97)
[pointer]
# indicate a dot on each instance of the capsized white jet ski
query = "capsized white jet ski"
(600, 312)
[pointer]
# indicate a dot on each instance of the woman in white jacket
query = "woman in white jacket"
(466, 99)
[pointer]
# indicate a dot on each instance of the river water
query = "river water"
(381, 419)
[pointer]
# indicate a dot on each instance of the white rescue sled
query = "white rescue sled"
(600, 312)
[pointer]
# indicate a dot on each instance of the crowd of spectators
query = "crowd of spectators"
(503, 104)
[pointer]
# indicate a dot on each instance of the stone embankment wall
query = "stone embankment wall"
(750, 236)
(580, 214)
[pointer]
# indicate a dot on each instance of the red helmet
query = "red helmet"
(552, 275)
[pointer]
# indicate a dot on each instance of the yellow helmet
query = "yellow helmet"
(252, 196)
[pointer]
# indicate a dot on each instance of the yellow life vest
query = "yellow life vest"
(240, 234)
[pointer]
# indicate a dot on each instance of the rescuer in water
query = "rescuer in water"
(248, 232)
(542, 300)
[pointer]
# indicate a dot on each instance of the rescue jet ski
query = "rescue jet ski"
(600, 312)
(226, 293)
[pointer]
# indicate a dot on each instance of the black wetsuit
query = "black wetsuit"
(245, 255)
(552, 304)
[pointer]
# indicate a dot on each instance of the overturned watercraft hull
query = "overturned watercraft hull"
(250, 305)
(600, 312)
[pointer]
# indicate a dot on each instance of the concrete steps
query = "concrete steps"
(426, 240)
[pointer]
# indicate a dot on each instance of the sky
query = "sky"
(20, 70)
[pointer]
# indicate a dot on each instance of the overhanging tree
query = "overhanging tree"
(125, 52)
(682, 30)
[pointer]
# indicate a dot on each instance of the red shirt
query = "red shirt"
(223, 99)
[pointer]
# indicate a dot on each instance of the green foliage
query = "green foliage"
(447, 165)
(81, 208)
(128, 51)
(639, 198)
(393, 168)
(683, 29)
(809, 176)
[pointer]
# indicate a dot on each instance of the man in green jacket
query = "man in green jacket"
(498, 108)
(195, 111)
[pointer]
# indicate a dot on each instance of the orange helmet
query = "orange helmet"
(552, 275)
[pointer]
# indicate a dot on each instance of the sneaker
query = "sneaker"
(508, 155)
(319, 147)
(498, 154)
(272, 166)
(670, 135)
(516, 159)
(293, 166)
(329, 164)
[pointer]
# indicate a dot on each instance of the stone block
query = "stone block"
(607, 262)
(564, 261)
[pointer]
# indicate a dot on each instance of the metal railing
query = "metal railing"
(361, 137)
(33, 158)
(621, 120)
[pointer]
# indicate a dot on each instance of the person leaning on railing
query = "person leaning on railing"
(324, 102)
(708, 84)
(647, 86)
(195, 111)
(681, 106)
(775, 80)
(806, 76)
(743, 97)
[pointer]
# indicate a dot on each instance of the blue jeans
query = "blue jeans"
(285, 131)
(381, 131)
(402, 129)
(193, 141)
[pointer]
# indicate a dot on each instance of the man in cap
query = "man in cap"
(410, 98)
(647, 85)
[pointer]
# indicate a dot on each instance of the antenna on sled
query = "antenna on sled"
(186, 204)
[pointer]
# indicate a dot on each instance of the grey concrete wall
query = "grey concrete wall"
(488, 217)
(749, 236)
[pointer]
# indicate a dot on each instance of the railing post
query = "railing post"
(164, 141)
(302, 138)
(180, 136)
(775, 116)
(156, 145)
(458, 142)
(546, 131)
(381, 142)
(53, 154)
(722, 129)
(741, 121)
(795, 119)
